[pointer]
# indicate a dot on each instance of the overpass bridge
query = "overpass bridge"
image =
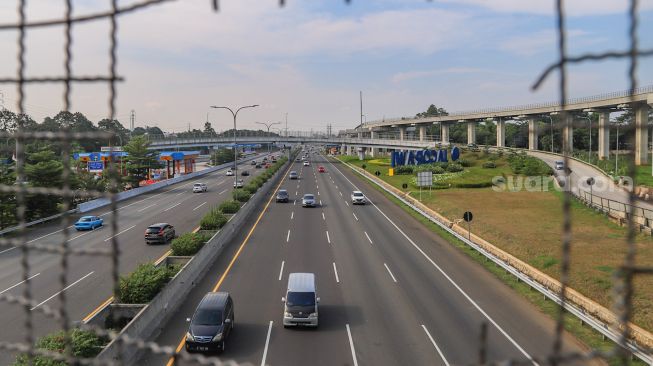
(639, 101)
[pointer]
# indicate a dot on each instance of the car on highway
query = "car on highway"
(257, 166)
(245, 173)
(559, 165)
(267, 165)
(357, 197)
(298, 159)
(211, 324)
(321, 169)
(159, 233)
(88, 223)
(199, 187)
(253, 162)
(239, 183)
(282, 195)
(306, 163)
(293, 175)
(230, 172)
(301, 301)
(308, 200)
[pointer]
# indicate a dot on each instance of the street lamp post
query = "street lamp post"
(551, 120)
(268, 125)
(589, 156)
(235, 149)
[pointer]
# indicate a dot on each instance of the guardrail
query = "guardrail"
(39, 221)
(598, 317)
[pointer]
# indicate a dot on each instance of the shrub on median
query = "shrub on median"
(251, 187)
(241, 195)
(229, 207)
(191, 243)
(140, 286)
(213, 220)
(84, 344)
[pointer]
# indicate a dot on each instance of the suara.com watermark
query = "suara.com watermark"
(519, 183)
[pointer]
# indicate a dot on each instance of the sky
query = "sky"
(311, 58)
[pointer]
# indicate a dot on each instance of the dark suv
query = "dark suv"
(159, 233)
(211, 323)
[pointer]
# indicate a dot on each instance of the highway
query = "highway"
(89, 277)
(392, 291)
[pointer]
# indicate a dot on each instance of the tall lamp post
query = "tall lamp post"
(235, 149)
(551, 120)
(589, 157)
(268, 125)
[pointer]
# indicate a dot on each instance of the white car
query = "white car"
(306, 163)
(357, 197)
(560, 165)
(230, 173)
(199, 187)
(239, 183)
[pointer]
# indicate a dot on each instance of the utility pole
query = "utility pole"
(132, 117)
(361, 97)
(286, 124)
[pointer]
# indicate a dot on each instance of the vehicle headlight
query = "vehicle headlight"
(312, 315)
(287, 315)
(189, 337)
(217, 338)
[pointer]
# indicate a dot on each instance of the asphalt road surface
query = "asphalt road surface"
(392, 292)
(89, 279)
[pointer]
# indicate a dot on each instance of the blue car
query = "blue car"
(88, 223)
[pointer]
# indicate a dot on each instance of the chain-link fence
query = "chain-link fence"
(21, 192)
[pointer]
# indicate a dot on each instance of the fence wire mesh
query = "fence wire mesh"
(623, 279)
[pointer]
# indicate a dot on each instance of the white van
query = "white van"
(300, 303)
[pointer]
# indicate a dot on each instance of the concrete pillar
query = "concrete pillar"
(641, 134)
(343, 149)
(568, 133)
(361, 153)
(532, 134)
(402, 132)
(471, 132)
(444, 128)
(374, 151)
(360, 135)
(604, 135)
(501, 133)
(422, 133)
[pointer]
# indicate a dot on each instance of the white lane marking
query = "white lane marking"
(390, 272)
(267, 343)
(335, 271)
(318, 193)
(320, 202)
(296, 192)
(80, 235)
(351, 345)
(59, 292)
(323, 218)
(346, 203)
(199, 206)
(281, 270)
(222, 192)
(294, 202)
(368, 237)
(171, 207)
(180, 193)
(111, 237)
(288, 236)
(328, 238)
(146, 207)
(7, 250)
(292, 215)
(340, 193)
(46, 235)
(18, 284)
(356, 217)
(454, 284)
(436, 346)
(316, 186)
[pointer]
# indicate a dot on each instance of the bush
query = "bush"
(191, 243)
(140, 286)
(229, 207)
(438, 170)
(489, 164)
(241, 195)
(404, 169)
(84, 344)
(213, 220)
(454, 167)
(464, 162)
(251, 187)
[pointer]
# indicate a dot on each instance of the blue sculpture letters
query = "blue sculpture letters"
(399, 158)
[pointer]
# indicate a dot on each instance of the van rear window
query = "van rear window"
(301, 299)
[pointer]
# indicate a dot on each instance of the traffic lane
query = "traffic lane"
(251, 323)
(384, 327)
(308, 250)
(526, 325)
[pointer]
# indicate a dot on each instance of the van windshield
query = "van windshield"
(301, 299)
(208, 317)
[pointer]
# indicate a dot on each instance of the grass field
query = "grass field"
(529, 226)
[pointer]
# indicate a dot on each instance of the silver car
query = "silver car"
(239, 183)
(308, 200)
(357, 197)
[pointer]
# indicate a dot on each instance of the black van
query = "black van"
(211, 323)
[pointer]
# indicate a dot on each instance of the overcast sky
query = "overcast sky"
(311, 58)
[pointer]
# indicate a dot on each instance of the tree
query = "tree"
(208, 129)
(222, 156)
(43, 169)
(432, 111)
(7, 200)
(140, 160)
(114, 126)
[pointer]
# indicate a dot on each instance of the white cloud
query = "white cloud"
(411, 75)
(547, 7)
(543, 41)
